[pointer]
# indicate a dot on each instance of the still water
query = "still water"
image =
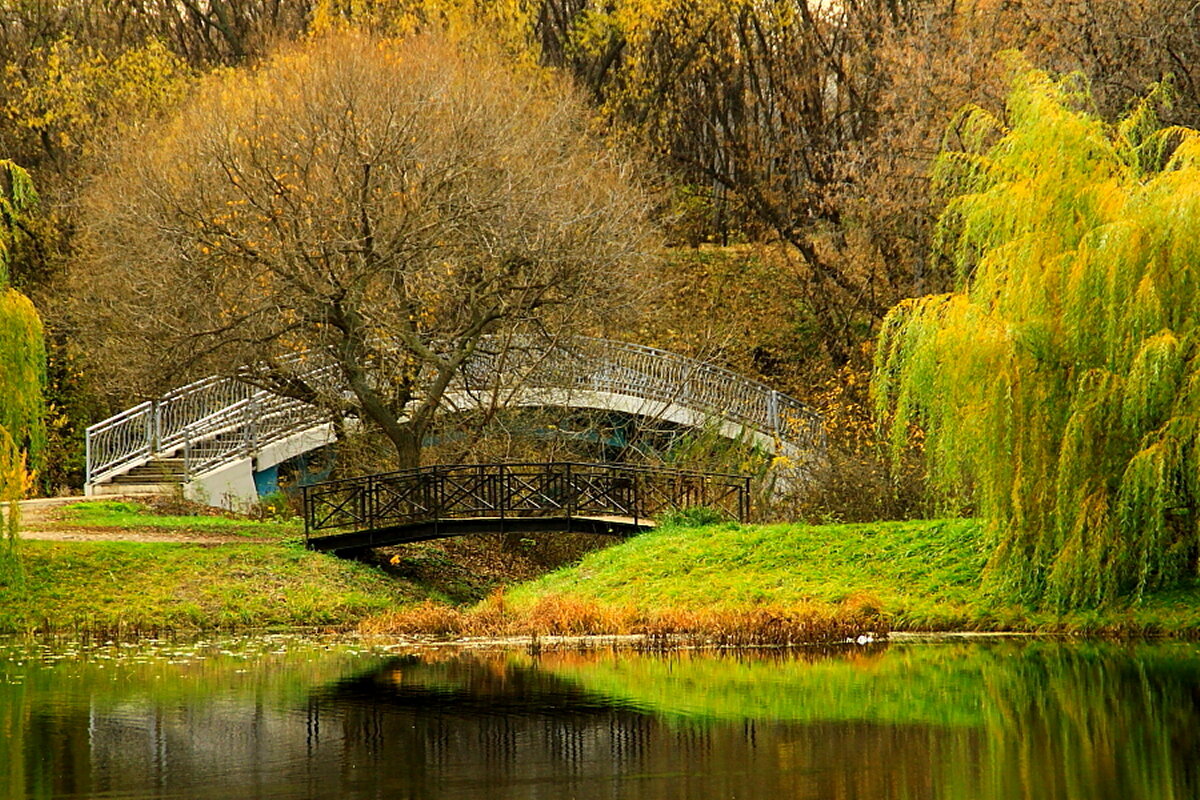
(290, 717)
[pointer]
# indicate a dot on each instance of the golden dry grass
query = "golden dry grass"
(564, 615)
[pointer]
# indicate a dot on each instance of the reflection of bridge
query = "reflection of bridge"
(218, 434)
(438, 502)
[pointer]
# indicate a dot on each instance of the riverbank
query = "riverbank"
(863, 579)
(174, 569)
(151, 565)
(924, 575)
(133, 587)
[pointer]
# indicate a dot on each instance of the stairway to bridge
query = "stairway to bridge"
(215, 435)
(354, 514)
(152, 477)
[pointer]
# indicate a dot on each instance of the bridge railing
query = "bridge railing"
(503, 491)
(662, 376)
(220, 420)
(242, 428)
(196, 418)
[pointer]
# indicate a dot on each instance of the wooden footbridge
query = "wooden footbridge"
(437, 502)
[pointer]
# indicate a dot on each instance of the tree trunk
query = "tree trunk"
(407, 442)
(405, 435)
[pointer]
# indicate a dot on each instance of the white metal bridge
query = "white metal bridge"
(222, 425)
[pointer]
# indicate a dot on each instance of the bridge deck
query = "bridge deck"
(348, 543)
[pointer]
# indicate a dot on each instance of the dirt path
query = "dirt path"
(41, 521)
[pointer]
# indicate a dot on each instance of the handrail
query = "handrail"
(116, 419)
(560, 489)
(200, 410)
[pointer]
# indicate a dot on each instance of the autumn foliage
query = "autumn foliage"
(387, 205)
(240, 181)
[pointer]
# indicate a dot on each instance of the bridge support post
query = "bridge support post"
(503, 487)
(309, 515)
(773, 413)
(571, 493)
(637, 496)
(149, 432)
(371, 502)
(250, 437)
(155, 438)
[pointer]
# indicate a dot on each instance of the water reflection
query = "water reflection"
(261, 718)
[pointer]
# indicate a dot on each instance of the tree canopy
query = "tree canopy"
(1059, 384)
(386, 203)
(22, 352)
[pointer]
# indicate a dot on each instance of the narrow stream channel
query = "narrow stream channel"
(296, 717)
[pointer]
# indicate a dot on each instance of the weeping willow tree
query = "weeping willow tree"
(1059, 387)
(22, 356)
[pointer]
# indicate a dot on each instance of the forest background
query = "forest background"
(788, 146)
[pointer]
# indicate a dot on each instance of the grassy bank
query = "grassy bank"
(726, 583)
(144, 586)
(916, 576)
(919, 574)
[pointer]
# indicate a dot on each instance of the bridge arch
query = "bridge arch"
(216, 432)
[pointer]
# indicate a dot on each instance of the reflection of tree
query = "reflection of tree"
(1096, 721)
(146, 715)
(1040, 719)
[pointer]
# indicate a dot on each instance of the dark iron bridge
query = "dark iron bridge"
(441, 501)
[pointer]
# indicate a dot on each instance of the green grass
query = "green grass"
(922, 575)
(131, 515)
(65, 586)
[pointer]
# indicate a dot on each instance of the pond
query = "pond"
(296, 717)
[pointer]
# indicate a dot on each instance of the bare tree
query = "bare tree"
(388, 205)
(204, 32)
(752, 106)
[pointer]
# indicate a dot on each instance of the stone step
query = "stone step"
(165, 473)
(154, 473)
(132, 489)
(161, 465)
(166, 480)
(165, 469)
(155, 469)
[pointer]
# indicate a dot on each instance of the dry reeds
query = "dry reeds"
(561, 615)
(765, 626)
